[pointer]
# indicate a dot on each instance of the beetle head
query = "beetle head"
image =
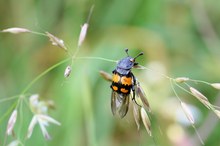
(125, 64)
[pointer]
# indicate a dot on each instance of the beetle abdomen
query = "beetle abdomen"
(121, 83)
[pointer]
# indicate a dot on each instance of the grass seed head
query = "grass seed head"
(146, 121)
(14, 143)
(56, 41)
(187, 113)
(83, 33)
(11, 122)
(16, 30)
(136, 113)
(31, 126)
(200, 97)
(181, 79)
(67, 71)
(217, 112)
(216, 85)
(140, 92)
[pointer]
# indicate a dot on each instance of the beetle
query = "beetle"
(123, 82)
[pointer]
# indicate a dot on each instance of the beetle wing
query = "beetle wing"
(113, 102)
(124, 106)
(119, 104)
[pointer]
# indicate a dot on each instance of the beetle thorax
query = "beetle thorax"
(124, 65)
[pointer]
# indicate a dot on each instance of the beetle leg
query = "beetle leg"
(133, 89)
(133, 98)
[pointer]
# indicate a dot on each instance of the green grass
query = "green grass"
(166, 31)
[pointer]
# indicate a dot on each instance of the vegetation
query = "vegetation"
(179, 73)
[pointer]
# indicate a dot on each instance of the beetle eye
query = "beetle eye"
(132, 59)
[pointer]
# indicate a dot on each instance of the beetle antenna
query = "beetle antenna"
(126, 50)
(139, 55)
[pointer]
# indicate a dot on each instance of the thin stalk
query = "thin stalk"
(41, 75)
(89, 114)
(8, 111)
(171, 84)
(97, 58)
(9, 98)
(161, 74)
(200, 81)
(38, 33)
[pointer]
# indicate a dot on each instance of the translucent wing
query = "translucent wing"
(124, 106)
(113, 102)
(119, 104)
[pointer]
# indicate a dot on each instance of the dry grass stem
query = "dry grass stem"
(106, 75)
(188, 113)
(56, 41)
(16, 30)
(146, 121)
(181, 79)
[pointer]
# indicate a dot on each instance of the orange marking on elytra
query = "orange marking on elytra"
(115, 78)
(126, 80)
(114, 88)
(123, 90)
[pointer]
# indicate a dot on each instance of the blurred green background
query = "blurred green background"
(178, 38)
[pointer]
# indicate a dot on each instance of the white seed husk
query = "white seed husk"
(216, 85)
(67, 71)
(83, 34)
(16, 30)
(11, 122)
(146, 121)
(200, 97)
(42, 124)
(140, 92)
(31, 126)
(217, 112)
(187, 113)
(136, 114)
(181, 79)
(48, 119)
(14, 143)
